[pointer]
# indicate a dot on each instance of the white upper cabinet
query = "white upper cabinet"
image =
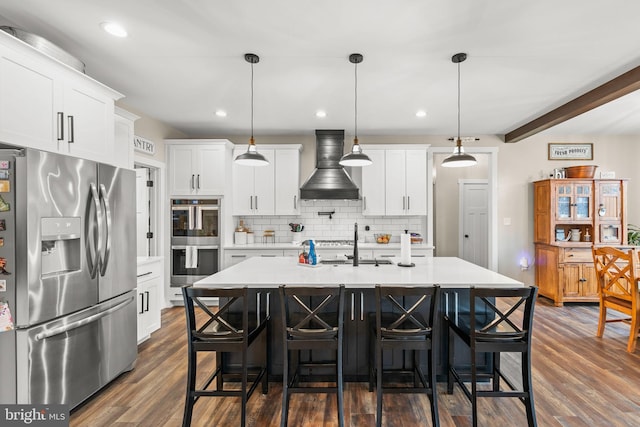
(271, 189)
(197, 169)
(373, 184)
(254, 186)
(396, 183)
(287, 181)
(124, 135)
(49, 106)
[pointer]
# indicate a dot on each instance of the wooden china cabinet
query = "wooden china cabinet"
(570, 216)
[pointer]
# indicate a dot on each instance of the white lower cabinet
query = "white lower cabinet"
(234, 256)
(418, 256)
(150, 284)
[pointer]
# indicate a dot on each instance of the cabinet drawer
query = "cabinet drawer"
(149, 271)
(576, 255)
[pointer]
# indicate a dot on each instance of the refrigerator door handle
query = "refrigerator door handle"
(104, 197)
(98, 246)
(75, 325)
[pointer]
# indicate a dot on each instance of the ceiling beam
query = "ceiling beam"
(613, 89)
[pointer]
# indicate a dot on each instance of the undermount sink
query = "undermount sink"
(362, 261)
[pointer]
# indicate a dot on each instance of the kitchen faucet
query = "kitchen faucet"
(355, 244)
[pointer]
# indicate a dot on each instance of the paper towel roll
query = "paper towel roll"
(405, 249)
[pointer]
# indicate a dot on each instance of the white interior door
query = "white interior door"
(142, 212)
(474, 222)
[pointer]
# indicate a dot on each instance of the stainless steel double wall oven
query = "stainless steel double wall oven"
(195, 239)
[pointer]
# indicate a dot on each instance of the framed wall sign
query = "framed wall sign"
(569, 151)
(144, 145)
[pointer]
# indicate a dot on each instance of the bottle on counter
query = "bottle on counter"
(312, 253)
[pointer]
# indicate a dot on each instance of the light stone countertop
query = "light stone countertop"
(271, 272)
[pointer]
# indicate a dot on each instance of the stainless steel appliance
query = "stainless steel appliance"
(67, 242)
(195, 240)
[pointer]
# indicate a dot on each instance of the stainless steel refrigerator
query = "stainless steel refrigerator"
(68, 270)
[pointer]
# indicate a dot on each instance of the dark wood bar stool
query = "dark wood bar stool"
(224, 331)
(408, 321)
(499, 320)
(313, 319)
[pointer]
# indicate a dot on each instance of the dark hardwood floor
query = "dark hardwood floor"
(579, 380)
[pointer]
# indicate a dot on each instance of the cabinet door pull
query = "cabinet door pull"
(267, 256)
(364, 203)
(362, 306)
(70, 125)
(198, 182)
(251, 202)
(446, 304)
(353, 305)
(238, 256)
(192, 185)
(60, 125)
(403, 203)
(144, 274)
(582, 279)
(295, 202)
(147, 295)
(408, 202)
(141, 304)
(256, 202)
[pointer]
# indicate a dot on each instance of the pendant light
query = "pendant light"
(356, 157)
(459, 158)
(251, 157)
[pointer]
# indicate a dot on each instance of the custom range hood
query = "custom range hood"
(329, 180)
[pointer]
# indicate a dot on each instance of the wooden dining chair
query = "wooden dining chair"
(618, 289)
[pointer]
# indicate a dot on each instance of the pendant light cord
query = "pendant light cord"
(252, 100)
(458, 101)
(356, 98)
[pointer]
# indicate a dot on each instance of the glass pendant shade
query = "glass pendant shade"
(251, 157)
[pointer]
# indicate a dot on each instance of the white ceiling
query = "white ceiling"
(184, 59)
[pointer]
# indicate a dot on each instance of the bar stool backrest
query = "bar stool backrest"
(502, 315)
(312, 312)
(222, 324)
(413, 311)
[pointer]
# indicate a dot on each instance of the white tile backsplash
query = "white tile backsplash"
(340, 227)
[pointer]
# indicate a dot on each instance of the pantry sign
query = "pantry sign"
(570, 151)
(144, 145)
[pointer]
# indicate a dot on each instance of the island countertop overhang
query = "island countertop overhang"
(271, 272)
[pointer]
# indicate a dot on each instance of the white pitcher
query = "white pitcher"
(574, 234)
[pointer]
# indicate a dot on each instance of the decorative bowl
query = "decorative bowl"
(382, 238)
(587, 171)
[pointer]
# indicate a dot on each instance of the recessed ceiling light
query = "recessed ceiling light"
(321, 113)
(114, 29)
(421, 113)
(221, 113)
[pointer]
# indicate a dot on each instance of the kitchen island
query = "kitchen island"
(264, 275)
